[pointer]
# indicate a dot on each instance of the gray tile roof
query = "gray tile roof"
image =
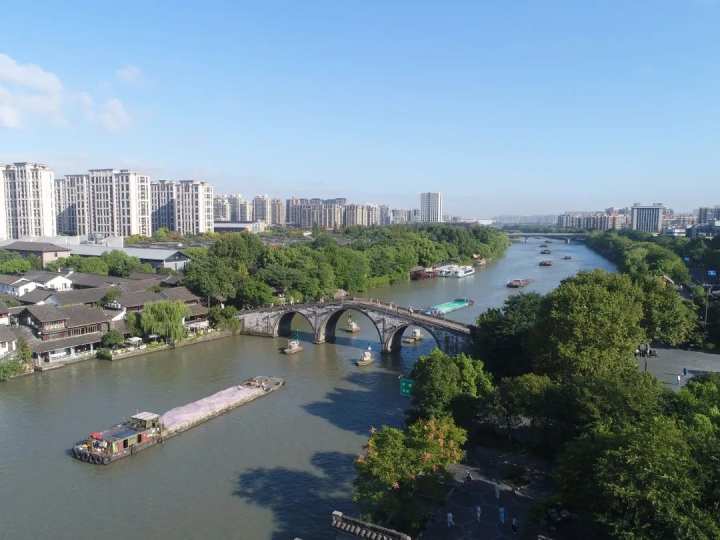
(179, 293)
(41, 276)
(35, 296)
(79, 296)
(6, 334)
(34, 247)
(10, 279)
(73, 315)
(74, 341)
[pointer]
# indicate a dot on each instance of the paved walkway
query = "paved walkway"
(669, 363)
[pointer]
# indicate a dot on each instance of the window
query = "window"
(125, 443)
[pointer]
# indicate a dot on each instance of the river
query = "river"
(273, 469)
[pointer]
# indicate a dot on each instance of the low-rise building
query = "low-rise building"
(157, 258)
(4, 315)
(44, 251)
(15, 285)
(8, 342)
(49, 280)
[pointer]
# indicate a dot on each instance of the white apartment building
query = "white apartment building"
(277, 212)
(431, 207)
(27, 201)
(184, 206)
(356, 215)
(72, 204)
(373, 215)
(262, 209)
(221, 208)
(241, 210)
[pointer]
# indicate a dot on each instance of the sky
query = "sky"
(523, 107)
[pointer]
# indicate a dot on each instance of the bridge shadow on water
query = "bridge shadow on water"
(301, 501)
(373, 401)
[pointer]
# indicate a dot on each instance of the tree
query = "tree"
(503, 335)
(667, 318)
(112, 339)
(402, 474)
(251, 292)
(110, 296)
(441, 379)
(122, 265)
(638, 481)
(211, 277)
(224, 318)
(165, 319)
(589, 325)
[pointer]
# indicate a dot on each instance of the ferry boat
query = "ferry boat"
(366, 359)
(462, 271)
(146, 429)
(415, 336)
(293, 346)
(545, 263)
(546, 252)
(517, 283)
(351, 327)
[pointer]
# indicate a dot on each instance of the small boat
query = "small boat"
(543, 245)
(366, 359)
(415, 336)
(293, 346)
(517, 283)
(462, 271)
(351, 327)
(567, 258)
(545, 263)
(546, 252)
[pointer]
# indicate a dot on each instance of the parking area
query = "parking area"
(669, 363)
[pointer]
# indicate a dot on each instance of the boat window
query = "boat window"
(125, 443)
(139, 438)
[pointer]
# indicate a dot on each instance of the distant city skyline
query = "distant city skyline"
(523, 109)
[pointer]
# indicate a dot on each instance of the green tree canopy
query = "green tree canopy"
(164, 318)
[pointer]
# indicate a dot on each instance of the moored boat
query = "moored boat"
(146, 429)
(351, 326)
(293, 346)
(546, 252)
(415, 336)
(545, 263)
(517, 283)
(366, 359)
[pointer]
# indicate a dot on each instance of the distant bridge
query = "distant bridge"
(568, 236)
(390, 321)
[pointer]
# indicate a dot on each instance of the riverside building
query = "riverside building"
(185, 206)
(27, 201)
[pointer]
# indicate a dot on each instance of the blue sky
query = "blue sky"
(506, 107)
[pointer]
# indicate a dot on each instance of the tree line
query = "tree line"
(559, 377)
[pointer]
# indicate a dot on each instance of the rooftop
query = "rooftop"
(41, 276)
(79, 296)
(150, 254)
(7, 279)
(37, 247)
(35, 296)
(73, 315)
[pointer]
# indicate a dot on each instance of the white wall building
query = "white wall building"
(647, 218)
(72, 204)
(185, 206)
(431, 207)
(277, 212)
(262, 209)
(27, 201)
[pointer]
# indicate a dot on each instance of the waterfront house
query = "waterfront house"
(14, 285)
(44, 251)
(8, 341)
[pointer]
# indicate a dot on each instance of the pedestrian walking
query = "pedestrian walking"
(515, 525)
(501, 515)
(478, 513)
(684, 372)
(468, 477)
(679, 379)
(497, 492)
(450, 520)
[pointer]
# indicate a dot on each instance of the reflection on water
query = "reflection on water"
(273, 469)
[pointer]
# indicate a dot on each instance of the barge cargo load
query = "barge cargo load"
(447, 307)
(147, 429)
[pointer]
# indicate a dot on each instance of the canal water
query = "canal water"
(273, 469)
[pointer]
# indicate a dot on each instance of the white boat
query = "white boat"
(366, 359)
(293, 347)
(415, 336)
(351, 327)
(462, 271)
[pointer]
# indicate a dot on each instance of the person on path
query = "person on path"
(478, 513)
(515, 525)
(450, 520)
(679, 379)
(468, 477)
(501, 514)
(497, 492)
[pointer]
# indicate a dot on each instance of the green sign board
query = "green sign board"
(406, 386)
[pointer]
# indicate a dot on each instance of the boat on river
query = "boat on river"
(517, 283)
(567, 258)
(146, 429)
(293, 346)
(441, 309)
(366, 359)
(351, 327)
(545, 263)
(455, 270)
(415, 336)
(546, 252)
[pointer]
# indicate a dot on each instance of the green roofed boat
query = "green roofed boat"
(446, 307)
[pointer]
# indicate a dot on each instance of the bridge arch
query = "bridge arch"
(393, 341)
(283, 326)
(328, 326)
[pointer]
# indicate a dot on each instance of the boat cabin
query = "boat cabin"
(140, 430)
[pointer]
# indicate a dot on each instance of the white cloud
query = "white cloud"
(129, 74)
(113, 116)
(27, 89)
(30, 94)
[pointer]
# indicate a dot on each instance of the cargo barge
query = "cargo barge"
(447, 307)
(147, 429)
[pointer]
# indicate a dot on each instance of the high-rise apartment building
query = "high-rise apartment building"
(277, 212)
(241, 210)
(261, 209)
(356, 215)
(373, 215)
(708, 215)
(431, 207)
(647, 218)
(27, 201)
(185, 206)
(71, 202)
(331, 215)
(221, 208)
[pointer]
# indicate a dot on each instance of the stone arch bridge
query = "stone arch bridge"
(390, 321)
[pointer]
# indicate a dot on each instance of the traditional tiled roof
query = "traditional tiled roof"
(179, 293)
(73, 315)
(6, 334)
(74, 341)
(9, 279)
(35, 296)
(36, 247)
(41, 276)
(84, 279)
(79, 296)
